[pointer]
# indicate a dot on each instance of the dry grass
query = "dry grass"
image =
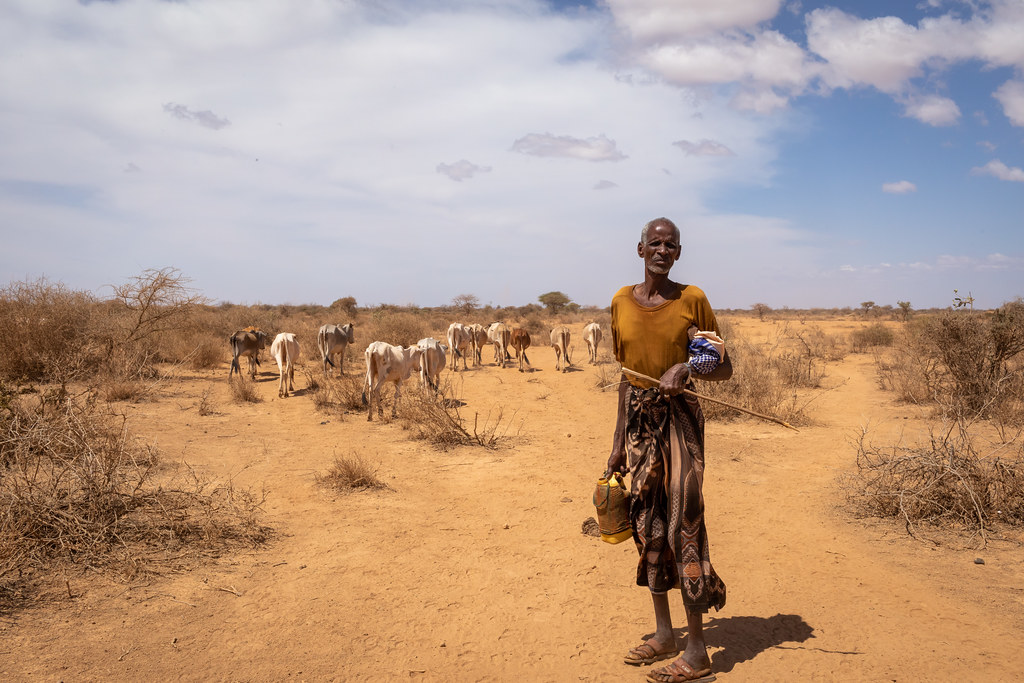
(244, 390)
(437, 418)
(962, 362)
(351, 472)
(948, 481)
(77, 490)
(870, 337)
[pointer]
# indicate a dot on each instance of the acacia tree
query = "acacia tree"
(904, 310)
(156, 301)
(762, 310)
(346, 304)
(467, 302)
(554, 301)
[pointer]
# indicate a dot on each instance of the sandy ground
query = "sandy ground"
(473, 567)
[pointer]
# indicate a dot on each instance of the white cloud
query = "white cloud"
(598, 148)
(704, 148)
(932, 109)
(658, 20)
(604, 185)
(899, 187)
(997, 169)
(987, 144)
(1011, 96)
(461, 170)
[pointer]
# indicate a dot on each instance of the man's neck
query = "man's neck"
(655, 289)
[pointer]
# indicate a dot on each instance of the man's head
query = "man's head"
(659, 245)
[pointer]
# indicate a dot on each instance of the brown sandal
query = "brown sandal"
(680, 671)
(646, 654)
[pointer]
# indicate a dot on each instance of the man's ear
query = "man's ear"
(640, 249)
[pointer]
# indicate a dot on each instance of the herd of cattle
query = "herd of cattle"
(388, 363)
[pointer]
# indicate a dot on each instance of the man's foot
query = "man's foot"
(647, 653)
(680, 671)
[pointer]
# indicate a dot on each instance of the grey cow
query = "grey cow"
(332, 340)
(248, 344)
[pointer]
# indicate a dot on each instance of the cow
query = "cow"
(332, 340)
(285, 350)
(248, 344)
(432, 362)
(498, 334)
(520, 341)
(560, 343)
(480, 340)
(460, 342)
(592, 335)
(387, 363)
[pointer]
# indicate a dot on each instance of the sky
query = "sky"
(814, 154)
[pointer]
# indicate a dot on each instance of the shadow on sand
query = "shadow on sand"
(743, 638)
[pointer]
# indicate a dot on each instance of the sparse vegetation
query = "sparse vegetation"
(244, 390)
(76, 489)
(350, 473)
(947, 480)
(874, 335)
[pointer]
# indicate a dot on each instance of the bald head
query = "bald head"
(659, 221)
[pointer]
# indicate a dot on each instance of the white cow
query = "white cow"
(332, 340)
(432, 361)
(560, 343)
(387, 363)
(246, 343)
(480, 340)
(460, 342)
(285, 351)
(592, 335)
(500, 335)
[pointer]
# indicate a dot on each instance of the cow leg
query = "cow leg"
(394, 406)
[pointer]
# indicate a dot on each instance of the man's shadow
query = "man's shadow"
(743, 638)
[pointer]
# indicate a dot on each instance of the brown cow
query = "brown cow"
(520, 341)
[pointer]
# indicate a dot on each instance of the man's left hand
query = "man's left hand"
(674, 380)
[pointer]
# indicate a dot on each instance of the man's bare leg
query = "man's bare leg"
(696, 652)
(664, 639)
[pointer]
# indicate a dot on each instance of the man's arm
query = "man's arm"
(617, 460)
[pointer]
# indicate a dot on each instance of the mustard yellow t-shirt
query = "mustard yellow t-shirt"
(651, 340)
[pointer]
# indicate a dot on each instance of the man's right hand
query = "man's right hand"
(617, 462)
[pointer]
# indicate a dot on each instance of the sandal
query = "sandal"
(680, 671)
(646, 654)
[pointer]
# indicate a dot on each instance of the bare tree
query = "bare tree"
(762, 310)
(155, 301)
(467, 302)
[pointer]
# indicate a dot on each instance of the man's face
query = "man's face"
(661, 251)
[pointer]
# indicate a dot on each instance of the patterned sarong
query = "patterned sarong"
(665, 447)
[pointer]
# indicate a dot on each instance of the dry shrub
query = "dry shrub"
(351, 472)
(205, 406)
(46, 332)
(244, 390)
(874, 335)
(207, 354)
(437, 418)
(946, 481)
(401, 328)
(335, 395)
(766, 379)
(124, 390)
(77, 490)
(966, 361)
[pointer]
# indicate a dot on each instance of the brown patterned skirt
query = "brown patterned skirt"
(665, 447)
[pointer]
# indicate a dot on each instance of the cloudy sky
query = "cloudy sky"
(407, 151)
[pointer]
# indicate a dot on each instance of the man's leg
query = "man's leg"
(662, 644)
(696, 652)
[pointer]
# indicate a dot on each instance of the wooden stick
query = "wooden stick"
(776, 420)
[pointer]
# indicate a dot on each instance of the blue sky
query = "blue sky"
(815, 154)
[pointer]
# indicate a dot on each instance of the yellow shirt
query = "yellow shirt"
(651, 340)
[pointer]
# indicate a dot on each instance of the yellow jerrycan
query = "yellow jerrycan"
(611, 498)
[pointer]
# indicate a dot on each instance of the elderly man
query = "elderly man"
(659, 328)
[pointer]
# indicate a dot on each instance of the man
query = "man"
(659, 435)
